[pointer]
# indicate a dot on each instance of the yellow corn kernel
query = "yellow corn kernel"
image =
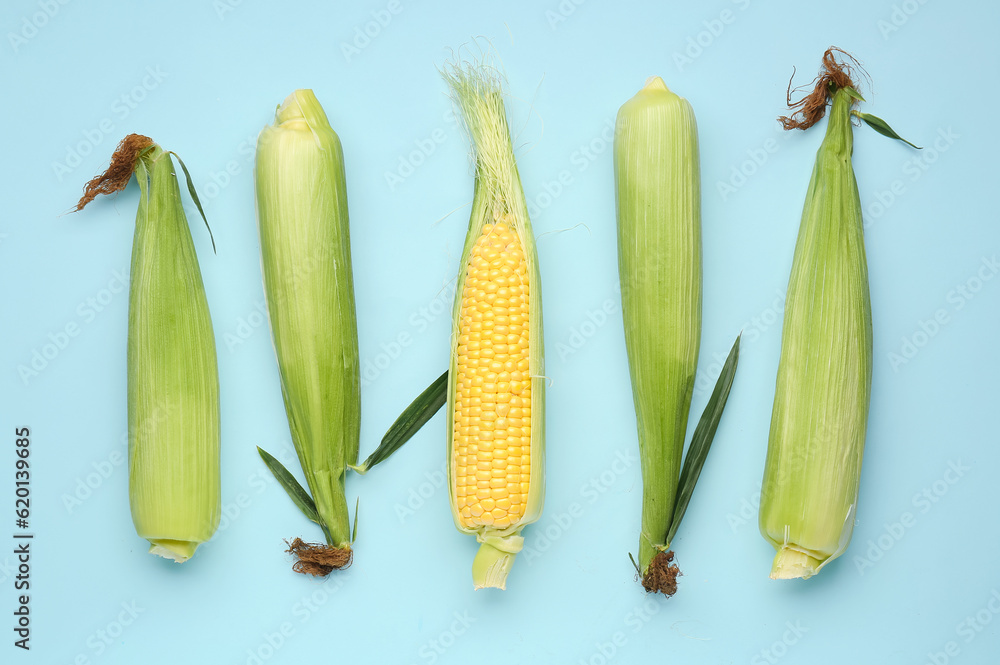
(497, 242)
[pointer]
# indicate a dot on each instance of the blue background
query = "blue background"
(203, 78)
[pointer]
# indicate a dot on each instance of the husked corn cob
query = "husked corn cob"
(495, 387)
(492, 424)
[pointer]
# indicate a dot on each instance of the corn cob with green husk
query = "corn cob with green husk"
(173, 380)
(494, 387)
(496, 398)
(810, 488)
(308, 284)
(657, 184)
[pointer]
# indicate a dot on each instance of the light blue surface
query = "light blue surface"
(216, 78)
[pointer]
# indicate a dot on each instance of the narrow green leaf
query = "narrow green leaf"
(854, 94)
(632, 559)
(409, 422)
(299, 496)
(883, 128)
(701, 441)
(194, 196)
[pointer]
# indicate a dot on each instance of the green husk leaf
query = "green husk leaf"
(194, 197)
(299, 496)
(422, 409)
(854, 94)
(658, 194)
(173, 407)
(304, 228)
(701, 441)
(809, 491)
(172, 378)
(883, 128)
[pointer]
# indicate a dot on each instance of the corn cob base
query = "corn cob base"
(494, 559)
(317, 559)
(177, 551)
(662, 574)
(792, 564)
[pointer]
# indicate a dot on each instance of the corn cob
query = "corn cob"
(173, 381)
(306, 262)
(495, 385)
(810, 489)
(658, 190)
